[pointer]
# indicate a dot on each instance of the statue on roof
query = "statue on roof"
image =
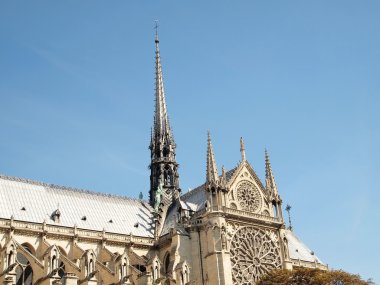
(158, 195)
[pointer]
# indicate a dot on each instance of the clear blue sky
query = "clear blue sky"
(298, 77)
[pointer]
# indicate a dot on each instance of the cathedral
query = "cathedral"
(229, 230)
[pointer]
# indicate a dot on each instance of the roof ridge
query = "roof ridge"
(196, 189)
(68, 188)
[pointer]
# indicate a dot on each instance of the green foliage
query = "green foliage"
(305, 276)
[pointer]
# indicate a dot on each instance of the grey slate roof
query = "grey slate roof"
(196, 198)
(40, 200)
(298, 250)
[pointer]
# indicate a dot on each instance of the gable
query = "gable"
(247, 193)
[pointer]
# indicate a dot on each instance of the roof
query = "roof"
(32, 201)
(171, 221)
(298, 250)
(195, 199)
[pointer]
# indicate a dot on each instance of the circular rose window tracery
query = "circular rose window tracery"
(253, 252)
(248, 196)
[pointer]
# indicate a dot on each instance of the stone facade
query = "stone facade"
(230, 230)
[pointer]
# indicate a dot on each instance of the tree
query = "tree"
(306, 276)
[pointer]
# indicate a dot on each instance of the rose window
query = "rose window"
(253, 252)
(248, 196)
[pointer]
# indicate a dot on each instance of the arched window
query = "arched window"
(24, 271)
(11, 256)
(170, 178)
(182, 278)
(90, 266)
(167, 263)
(166, 151)
(53, 263)
(274, 206)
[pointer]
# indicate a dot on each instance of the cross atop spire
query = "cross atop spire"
(212, 171)
(156, 25)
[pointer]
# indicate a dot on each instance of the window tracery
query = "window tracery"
(248, 196)
(24, 271)
(253, 252)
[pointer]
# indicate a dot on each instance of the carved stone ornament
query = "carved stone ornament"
(248, 196)
(253, 252)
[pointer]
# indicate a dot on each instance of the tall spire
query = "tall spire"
(242, 149)
(269, 177)
(212, 171)
(163, 166)
(161, 120)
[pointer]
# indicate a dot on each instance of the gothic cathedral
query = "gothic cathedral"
(229, 230)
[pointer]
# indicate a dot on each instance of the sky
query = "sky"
(300, 78)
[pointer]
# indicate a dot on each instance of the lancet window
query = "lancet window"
(24, 271)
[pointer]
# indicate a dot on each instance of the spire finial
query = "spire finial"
(212, 171)
(242, 149)
(161, 120)
(288, 208)
(156, 26)
(268, 168)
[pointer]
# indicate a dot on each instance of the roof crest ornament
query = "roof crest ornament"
(242, 149)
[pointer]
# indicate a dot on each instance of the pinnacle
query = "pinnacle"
(212, 171)
(269, 177)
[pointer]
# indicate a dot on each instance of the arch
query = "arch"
(29, 248)
(274, 207)
(62, 251)
(21, 256)
(233, 206)
(89, 260)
